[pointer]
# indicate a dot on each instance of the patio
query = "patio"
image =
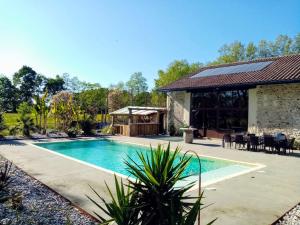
(258, 197)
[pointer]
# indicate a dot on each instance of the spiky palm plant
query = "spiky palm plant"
(122, 209)
(161, 202)
(154, 198)
(26, 125)
(5, 174)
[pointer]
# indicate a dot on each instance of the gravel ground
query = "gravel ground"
(40, 205)
(291, 218)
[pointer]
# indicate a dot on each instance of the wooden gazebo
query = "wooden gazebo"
(139, 121)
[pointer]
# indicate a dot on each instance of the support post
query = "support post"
(129, 121)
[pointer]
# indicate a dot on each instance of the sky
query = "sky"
(105, 41)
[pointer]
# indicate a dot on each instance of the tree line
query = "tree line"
(26, 83)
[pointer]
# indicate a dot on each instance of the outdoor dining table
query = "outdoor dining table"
(277, 143)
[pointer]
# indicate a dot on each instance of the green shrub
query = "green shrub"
(154, 199)
(2, 123)
(72, 132)
(87, 127)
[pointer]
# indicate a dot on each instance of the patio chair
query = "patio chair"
(227, 140)
(286, 144)
(239, 140)
(269, 143)
(254, 142)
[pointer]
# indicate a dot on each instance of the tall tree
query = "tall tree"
(264, 49)
(175, 71)
(28, 82)
(232, 53)
(63, 109)
(8, 95)
(91, 102)
(282, 46)
(117, 99)
(296, 44)
(251, 51)
(54, 85)
(136, 85)
(74, 85)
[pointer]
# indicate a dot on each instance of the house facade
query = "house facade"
(261, 96)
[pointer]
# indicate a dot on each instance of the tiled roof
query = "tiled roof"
(285, 69)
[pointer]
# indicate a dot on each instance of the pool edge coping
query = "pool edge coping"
(256, 166)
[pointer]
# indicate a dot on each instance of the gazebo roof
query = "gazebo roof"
(138, 110)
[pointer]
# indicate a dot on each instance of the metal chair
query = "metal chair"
(269, 143)
(239, 140)
(254, 142)
(227, 140)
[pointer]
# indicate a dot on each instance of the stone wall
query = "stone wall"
(178, 106)
(278, 109)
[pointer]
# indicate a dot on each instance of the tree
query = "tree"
(232, 53)
(28, 82)
(251, 51)
(2, 122)
(142, 99)
(158, 99)
(8, 95)
(282, 46)
(136, 85)
(71, 84)
(117, 99)
(63, 109)
(296, 44)
(54, 85)
(40, 109)
(264, 50)
(25, 122)
(74, 85)
(91, 102)
(175, 71)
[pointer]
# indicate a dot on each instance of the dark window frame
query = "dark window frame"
(216, 108)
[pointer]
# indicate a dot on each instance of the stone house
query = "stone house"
(260, 96)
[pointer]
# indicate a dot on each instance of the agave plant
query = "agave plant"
(122, 209)
(161, 202)
(154, 198)
(5, 177)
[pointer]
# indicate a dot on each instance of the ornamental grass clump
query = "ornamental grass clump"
(153, 197)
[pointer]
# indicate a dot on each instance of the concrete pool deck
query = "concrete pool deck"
(258, 197)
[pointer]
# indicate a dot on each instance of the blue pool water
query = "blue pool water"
(111, 155)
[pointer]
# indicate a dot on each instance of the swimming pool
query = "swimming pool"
(110, 155)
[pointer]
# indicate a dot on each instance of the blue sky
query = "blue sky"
(107, 41)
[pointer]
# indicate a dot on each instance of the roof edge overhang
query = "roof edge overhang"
(229, 86)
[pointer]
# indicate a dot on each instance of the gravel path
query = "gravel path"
(40, 205)
(291, 218)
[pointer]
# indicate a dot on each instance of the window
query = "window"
(220, 109)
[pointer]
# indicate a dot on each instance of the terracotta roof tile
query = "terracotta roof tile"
(282, 70)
